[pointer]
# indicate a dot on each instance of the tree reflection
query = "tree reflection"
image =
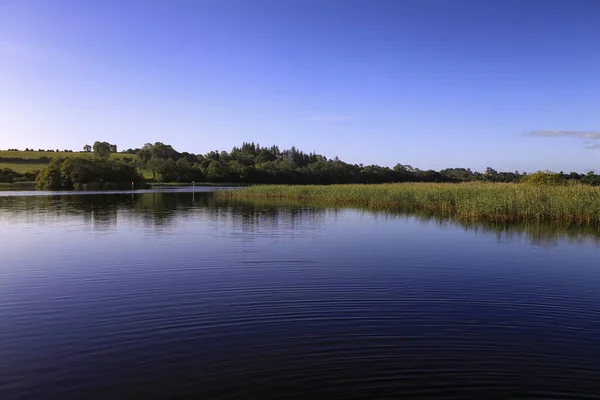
(164, 210)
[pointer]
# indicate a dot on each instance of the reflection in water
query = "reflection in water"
(180, 295)
(538, 232)
(162, 210)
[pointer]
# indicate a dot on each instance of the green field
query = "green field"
(488, 201)
(38, 154)
(29, 161)
(22, 167)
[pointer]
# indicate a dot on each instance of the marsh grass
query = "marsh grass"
(488, 201)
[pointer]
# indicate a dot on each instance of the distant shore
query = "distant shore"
(27, 186)
(190, 184)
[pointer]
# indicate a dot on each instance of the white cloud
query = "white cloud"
(577, 134)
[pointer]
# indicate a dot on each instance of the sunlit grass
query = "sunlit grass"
(491, 201)
(22, 168)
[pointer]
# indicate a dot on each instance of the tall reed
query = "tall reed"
(491, 201)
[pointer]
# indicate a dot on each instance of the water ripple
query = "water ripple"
(230, 303)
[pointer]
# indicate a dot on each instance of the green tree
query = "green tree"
(155, 165)
(50, 178)
(591, 179)
(216, 171)
(145, 153)
(103, 149)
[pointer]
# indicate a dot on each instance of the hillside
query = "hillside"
(30, 161)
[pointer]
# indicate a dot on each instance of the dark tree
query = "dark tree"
(104, 149)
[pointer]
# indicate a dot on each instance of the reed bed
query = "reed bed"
(490, 201)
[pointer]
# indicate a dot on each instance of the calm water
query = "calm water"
(176, 295)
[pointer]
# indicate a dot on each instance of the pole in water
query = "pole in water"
(132, 186)
(193, 185)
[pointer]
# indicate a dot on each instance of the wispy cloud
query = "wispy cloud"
(328, 118)
(591, 146)
(576, 134)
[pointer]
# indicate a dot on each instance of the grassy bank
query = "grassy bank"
(490, 201)
(198, 184)
(17, 186)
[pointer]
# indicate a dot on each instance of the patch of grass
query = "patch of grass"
(488, 201)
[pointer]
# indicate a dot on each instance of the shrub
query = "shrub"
(81, 173)
(543, 178)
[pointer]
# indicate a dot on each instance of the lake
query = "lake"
(175, 294)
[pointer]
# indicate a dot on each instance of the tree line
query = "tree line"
(251, 163)
(27, 149)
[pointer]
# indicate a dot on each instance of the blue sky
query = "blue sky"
(433, 83)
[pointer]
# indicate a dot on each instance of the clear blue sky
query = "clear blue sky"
(432, 83)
